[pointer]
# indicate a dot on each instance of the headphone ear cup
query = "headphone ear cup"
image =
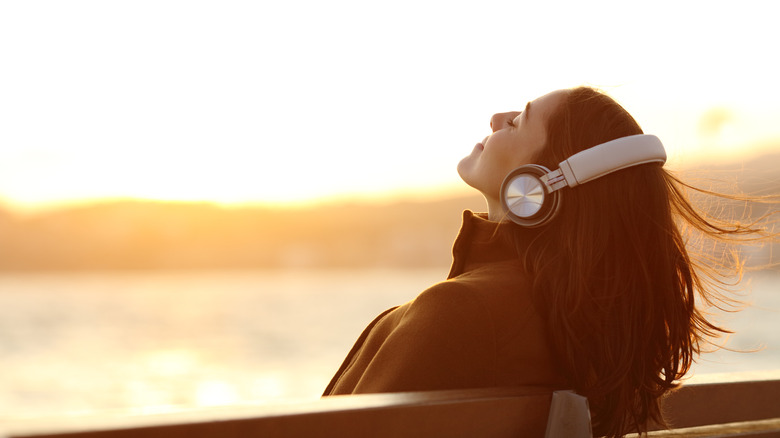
(527, 200)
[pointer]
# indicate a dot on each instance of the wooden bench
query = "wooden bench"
(721, 408)
(725, 406)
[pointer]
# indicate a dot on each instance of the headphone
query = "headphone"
(530, 194)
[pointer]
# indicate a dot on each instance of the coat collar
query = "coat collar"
(481, 241)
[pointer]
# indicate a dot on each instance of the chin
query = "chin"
(466, 168)
(470, 182)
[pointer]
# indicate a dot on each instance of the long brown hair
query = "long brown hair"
(613, 276)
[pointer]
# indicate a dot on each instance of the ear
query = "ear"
(527, 199)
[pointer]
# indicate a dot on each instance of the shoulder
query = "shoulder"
(443, 340)
(446, 293)
(502, 293)
(451, 296)
(448, 309)
(497, 284)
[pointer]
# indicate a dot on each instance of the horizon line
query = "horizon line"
(381, 197)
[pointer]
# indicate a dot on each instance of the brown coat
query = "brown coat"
(478, 328)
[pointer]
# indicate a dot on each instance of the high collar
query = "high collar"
(481, 241)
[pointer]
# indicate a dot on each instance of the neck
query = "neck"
(496, 212)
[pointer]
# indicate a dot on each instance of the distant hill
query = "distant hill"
(756, 176)
(157, 235)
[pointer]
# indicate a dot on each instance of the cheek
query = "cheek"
(506, 159)
(494, 168)
(520, 155)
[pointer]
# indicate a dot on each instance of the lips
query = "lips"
(481, 145)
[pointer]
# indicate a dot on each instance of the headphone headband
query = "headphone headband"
(530, 192)
(606, 158)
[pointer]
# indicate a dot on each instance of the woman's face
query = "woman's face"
(517, 137)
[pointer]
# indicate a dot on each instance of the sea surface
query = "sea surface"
(148, 342)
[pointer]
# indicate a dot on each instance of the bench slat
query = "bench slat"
(718, 403)
(484, 412)
(753, 429)
(710, 409)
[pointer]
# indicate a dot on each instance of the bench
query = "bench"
(715, 408)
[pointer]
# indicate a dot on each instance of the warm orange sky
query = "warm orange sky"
(288, 101)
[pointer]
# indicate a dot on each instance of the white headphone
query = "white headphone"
(530, 193)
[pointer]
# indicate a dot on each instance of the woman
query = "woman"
(599, 299)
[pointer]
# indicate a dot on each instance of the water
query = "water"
(154, 341)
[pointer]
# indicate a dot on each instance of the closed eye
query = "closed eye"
(511, 122)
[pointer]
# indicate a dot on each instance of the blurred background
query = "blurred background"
(203, 203)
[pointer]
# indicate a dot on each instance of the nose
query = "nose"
(499, 120)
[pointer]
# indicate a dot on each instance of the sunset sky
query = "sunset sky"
(288, 101)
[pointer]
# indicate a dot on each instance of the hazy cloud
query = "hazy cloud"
(713, 120)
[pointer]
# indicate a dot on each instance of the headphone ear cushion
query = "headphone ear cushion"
(527, 200)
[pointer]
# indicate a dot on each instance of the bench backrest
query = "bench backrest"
(495, 412)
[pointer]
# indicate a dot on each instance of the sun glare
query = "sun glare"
(260, 103)
(215, 393)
